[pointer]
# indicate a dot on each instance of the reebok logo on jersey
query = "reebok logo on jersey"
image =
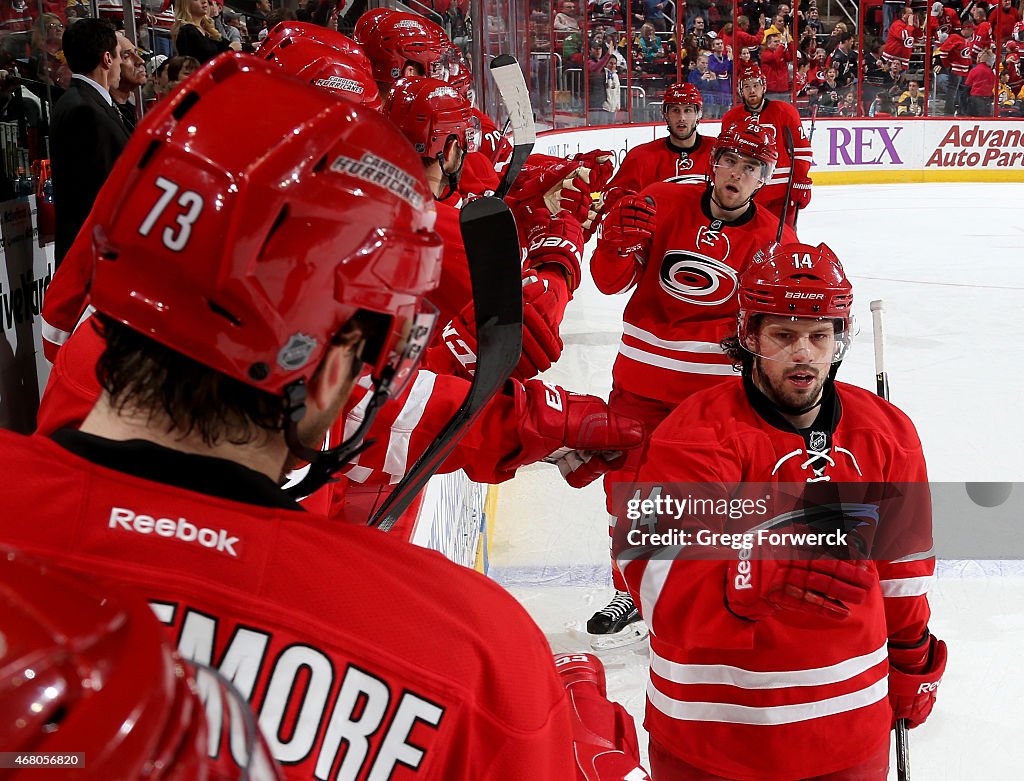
(743, 574)
(214, 539)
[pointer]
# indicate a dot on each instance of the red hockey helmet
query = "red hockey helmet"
(286, 33)
(249, 252)
(682, 94)
(751, 72)
(368, 22)
(460, 76)
(85, 667)
(752, 139)
(403, 38)
(798, 281)
(429, 112)
(325, 67)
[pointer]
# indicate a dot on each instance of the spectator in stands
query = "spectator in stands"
(835, 36)
(891, 11)
(17, 104)
(894, 80)
(194, 32)
(1007, 100)
(133, 75)
(699, 33)
(636, 13)
(904, 34)
(698, 9)
(237, 29)
(830, 94)
(606, 12)
(780, 28)
(707, 82)
(745, 58)
(179, 69)
(881, 106)
(848, 108)
(813, 23)
(754, 9)
(743, 37)
(775, 60)
(942, 19)
(599, 65)
(1012, 66)
(981, 85)
(911, 102)
(86, 132)
(844, 60)
(654, 15)
(1002, 19)
(721, 65)
(649, 47)
(982, 31)
(47, 63)
(566, 20)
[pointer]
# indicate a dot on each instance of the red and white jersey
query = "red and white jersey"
(946, 22)
(955, 54)
(364, 657)
(788, 696)
(657, 161)
(685, 302)
(16, 16)
(900, 42)
(982, 39)
(778, 114)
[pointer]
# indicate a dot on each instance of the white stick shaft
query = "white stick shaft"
(878, 330)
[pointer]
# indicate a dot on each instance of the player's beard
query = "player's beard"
(678, 138)
(791, 400)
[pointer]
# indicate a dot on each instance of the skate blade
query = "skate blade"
(635, 633)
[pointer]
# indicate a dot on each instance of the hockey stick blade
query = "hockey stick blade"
(511, 84)
(492, 248)
(787, 140)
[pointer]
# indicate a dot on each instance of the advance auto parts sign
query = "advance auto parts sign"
(24, 276)
(982, 145)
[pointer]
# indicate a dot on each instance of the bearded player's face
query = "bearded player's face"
(793, 359)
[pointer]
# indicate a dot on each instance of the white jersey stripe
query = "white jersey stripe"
(53, 334)
(768, 715)
(921, 556)
(907, 587)
(629, 329)
(396, 462)
(689, 367)
(725, 675)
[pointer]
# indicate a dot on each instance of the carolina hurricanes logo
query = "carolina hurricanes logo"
(697, 279)
(684, 163)
(965, 52)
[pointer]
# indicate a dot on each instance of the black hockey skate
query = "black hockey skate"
(617, 624)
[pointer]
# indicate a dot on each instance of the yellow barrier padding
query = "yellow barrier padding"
(483, 547)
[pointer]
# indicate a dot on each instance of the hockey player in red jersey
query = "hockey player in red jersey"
(241, 284)
(777, 115)
(681, 246)
(683, 153)
(795, 666)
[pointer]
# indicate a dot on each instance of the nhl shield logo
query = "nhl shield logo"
(296, 352)
(818, 440)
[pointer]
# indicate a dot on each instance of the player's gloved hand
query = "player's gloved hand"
(545, 296)
(758, 588)
(556, 241)
(801, 195)
(599, 167)
(603, 732)
(914, 677)
(573, 430)
(550, 184)
(629, 227)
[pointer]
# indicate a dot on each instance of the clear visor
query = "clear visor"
(410, 348)
(746, 167)
(797, 340)
(441, 68)
(241, 749)
(474, 135)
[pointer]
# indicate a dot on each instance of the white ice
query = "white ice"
(947, 260)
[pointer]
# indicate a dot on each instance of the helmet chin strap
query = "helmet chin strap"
(451, 177)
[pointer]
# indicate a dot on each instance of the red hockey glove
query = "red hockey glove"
(800, 195)
(600, 167)
(759, 588)
(545, 296)
(603, 732)
(914, 678)
(559, 241)
(629, 227)
(554, 185)
(575, 431)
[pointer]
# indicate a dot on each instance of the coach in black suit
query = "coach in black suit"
(87, 132)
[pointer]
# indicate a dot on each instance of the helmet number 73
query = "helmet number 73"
(191, 204)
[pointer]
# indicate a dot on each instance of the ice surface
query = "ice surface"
(947, 260)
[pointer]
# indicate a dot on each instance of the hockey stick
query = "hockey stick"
(492, 247)
(787, 140)
(814, 118)
(882, 389)
(509, 79)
